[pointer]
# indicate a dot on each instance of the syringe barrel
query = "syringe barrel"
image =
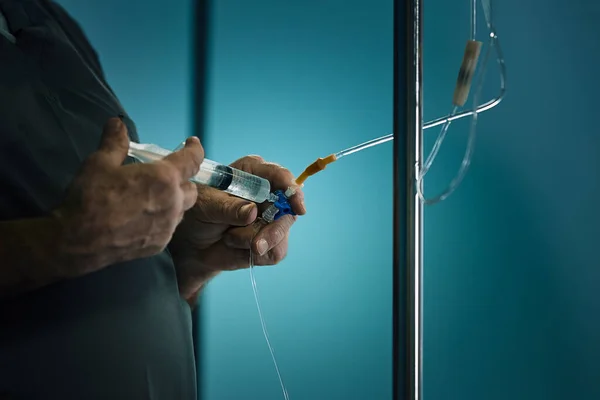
(219, 176)
(233, 181)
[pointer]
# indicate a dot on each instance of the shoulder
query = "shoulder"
(75, 33)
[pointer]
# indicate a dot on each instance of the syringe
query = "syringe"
(213, 174)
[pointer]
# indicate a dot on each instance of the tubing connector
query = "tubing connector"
(280, 207)
(315, 167)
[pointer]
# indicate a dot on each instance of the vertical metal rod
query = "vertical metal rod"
(408, 129)
(200, 27)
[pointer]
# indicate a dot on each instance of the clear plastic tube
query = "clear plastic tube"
(466, 161)
(264, 328)
(364, 146)
(211, 173)
(494, 44)
(432, 155)
(438, 121)
(473, 4)
(436, 147)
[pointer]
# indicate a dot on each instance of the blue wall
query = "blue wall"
(511, 263)
(293, 81)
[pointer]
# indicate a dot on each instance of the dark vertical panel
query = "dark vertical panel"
(200, 60)
(407, 207)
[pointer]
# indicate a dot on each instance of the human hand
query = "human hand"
(115, 213)
(218, 233)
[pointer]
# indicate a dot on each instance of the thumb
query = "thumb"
(114, 144)
(216, 207)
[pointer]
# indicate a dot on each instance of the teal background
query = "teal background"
(511, 260)
(293, 81)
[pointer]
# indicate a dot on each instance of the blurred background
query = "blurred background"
(512, 267)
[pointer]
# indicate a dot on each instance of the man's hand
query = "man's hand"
(115, 213)
(219, 231)
(112, 213)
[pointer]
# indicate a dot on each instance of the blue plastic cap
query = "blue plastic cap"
(282, 204)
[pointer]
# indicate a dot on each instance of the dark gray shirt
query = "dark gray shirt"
(123, 332)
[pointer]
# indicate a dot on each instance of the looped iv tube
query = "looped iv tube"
(460, 96)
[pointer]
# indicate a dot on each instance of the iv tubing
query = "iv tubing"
(264, 328)
(495, 43)
(436, 147)
(466, 161)
(473, 19)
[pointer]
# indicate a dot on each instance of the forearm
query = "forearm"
(30, 254)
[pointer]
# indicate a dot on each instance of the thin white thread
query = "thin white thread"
(264, 327)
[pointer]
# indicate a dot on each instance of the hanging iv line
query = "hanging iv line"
(466, 161)
(460, 96)
(263, 325)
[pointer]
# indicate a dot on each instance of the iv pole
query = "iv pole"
(408, 213)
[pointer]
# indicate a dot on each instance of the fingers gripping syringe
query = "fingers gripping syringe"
(213, 174)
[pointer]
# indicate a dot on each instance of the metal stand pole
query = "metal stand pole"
(408, 131)
(200, 54)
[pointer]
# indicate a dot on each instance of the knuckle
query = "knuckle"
(287, 176)
(278, 233)
(240, 214)
(271, 164)
(247, 162)
(255, 158)
(281, 172)
(287, 173)
(166, 177)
